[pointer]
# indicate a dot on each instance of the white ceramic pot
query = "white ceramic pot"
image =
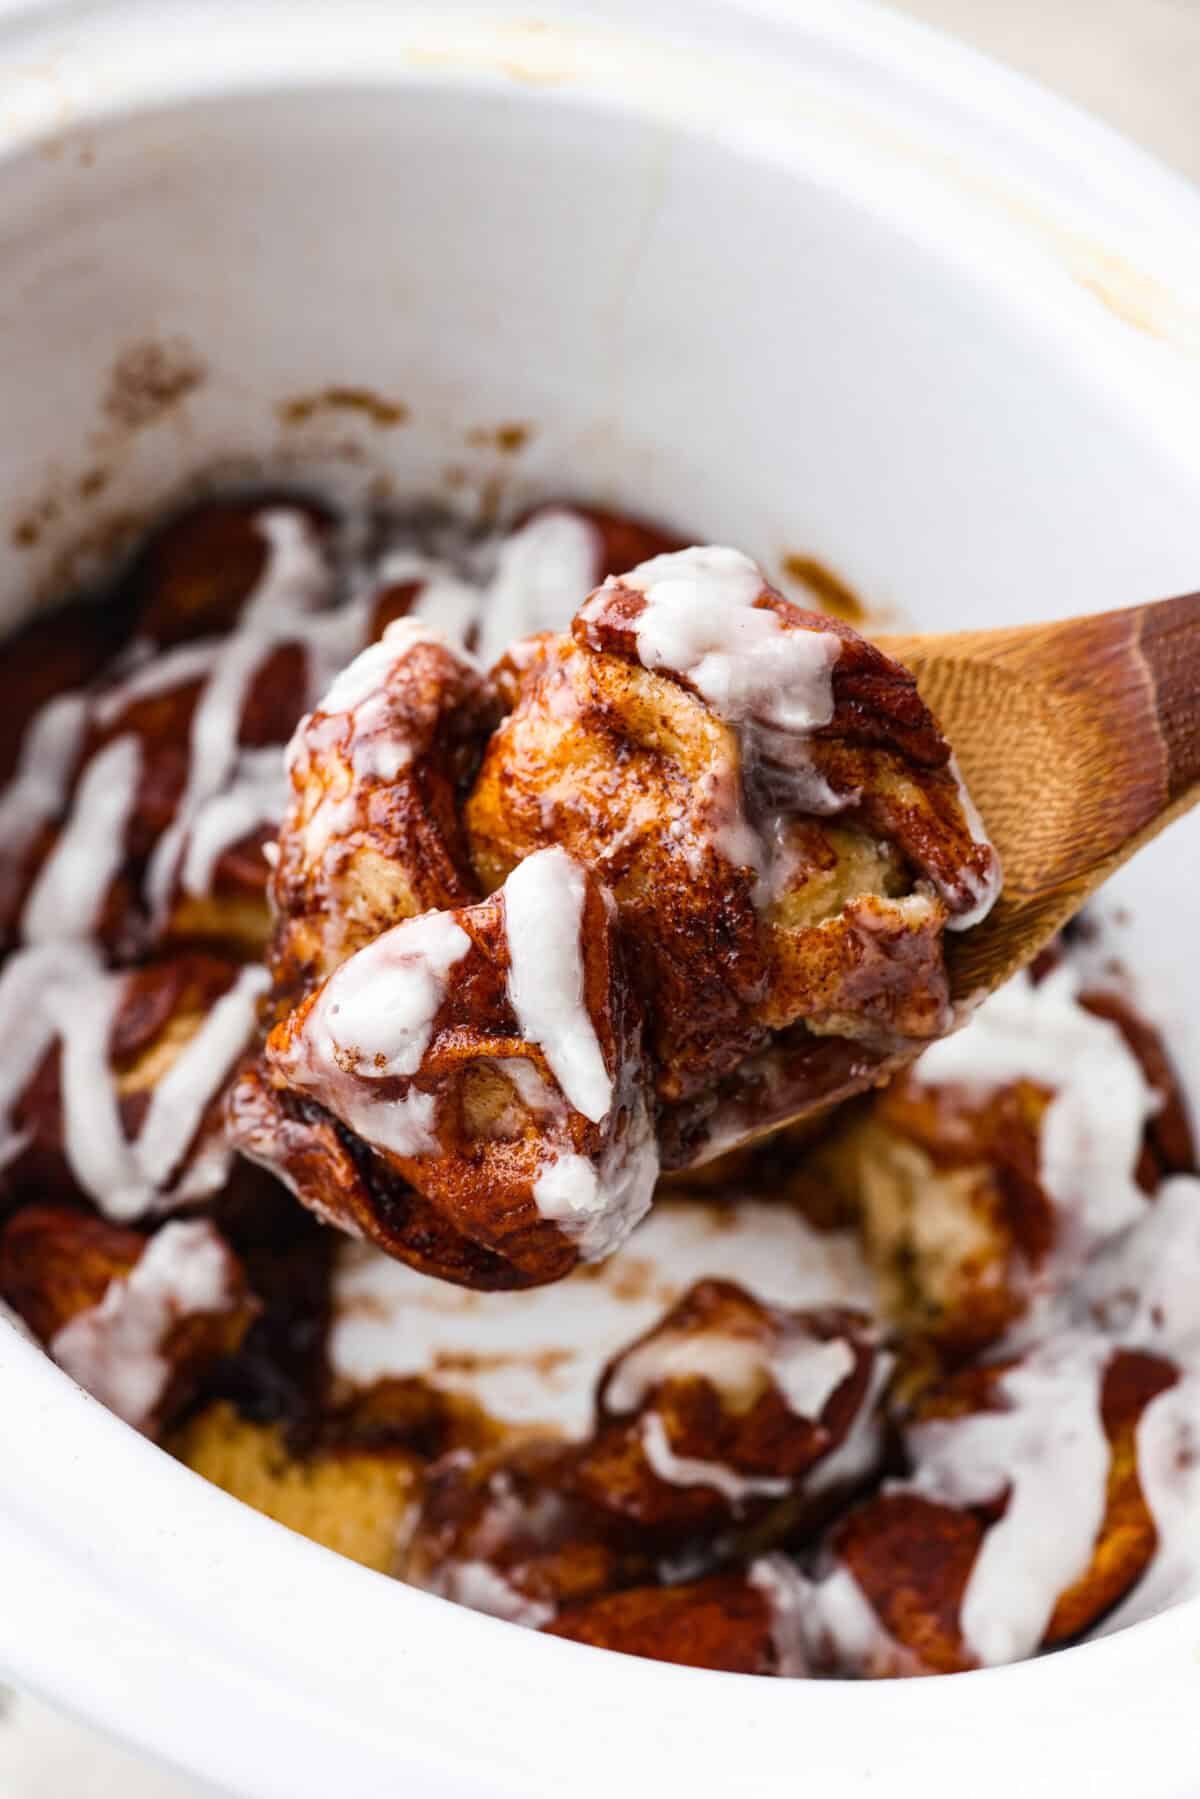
(801, 276)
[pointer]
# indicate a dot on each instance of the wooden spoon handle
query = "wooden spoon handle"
(1079, 742)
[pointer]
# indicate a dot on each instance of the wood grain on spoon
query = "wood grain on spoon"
(1079, 742)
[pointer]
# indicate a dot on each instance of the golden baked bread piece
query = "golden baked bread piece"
(994, 1449)
(354, 1501)
(140, 1322)
(56, 1262)
(729, 1426)
(770, 803)
(954, 1220)
(718, 906)
(1128, 1537)
(623, 769)
(504, 1532)
(946, 1178)
(371, 834)
(417, 1062)
(729, 1410)
(723, 1622)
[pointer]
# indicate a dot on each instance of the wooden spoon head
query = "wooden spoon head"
(1079, 742)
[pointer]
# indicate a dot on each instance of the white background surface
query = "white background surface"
(1136, 63)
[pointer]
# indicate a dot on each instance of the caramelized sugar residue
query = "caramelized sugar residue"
(829, 590)
(148, 379)
(372, 406)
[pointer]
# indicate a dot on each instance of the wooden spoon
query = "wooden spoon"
(1079, 742)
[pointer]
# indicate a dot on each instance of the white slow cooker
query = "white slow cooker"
(796, 275)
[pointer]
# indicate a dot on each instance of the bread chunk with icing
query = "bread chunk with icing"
(143, 799)
(489, 1056)
(353, 1500)
(730, 1423)
(723, 1623)
(138, 1321)
(772, 806)
(114, 1078)
(985, 1177)
(371, 833)
(774, 841)
(1023, 1522)
(729, 1410)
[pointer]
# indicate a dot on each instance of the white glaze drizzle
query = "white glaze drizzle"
(118, 1349)
(482, 1588)
(375, 1015)
(372, 1021)
(153, 672)
(788, 1595)
(444, 600)
(543, 917)
(183, 1094)
(63, 993)
(569, 1191)
(690, 1471)
(27, 1029)
(256, 797)
(701, 621)
(542, 573)
(1168, 1458)
(828, 1625)
(806, 1370)
(735, 1366)
(38, 790)
(295, 585)
(355, 714)
(96, 1148)
(521, 582)
(66, 898)
(1145, 1290)
(860, 1452)
(985, 888)
(809, 1370)
(1091, 1134)
(1047, 1449)
(362, 684)
(533, 1359)
(597, 1204)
